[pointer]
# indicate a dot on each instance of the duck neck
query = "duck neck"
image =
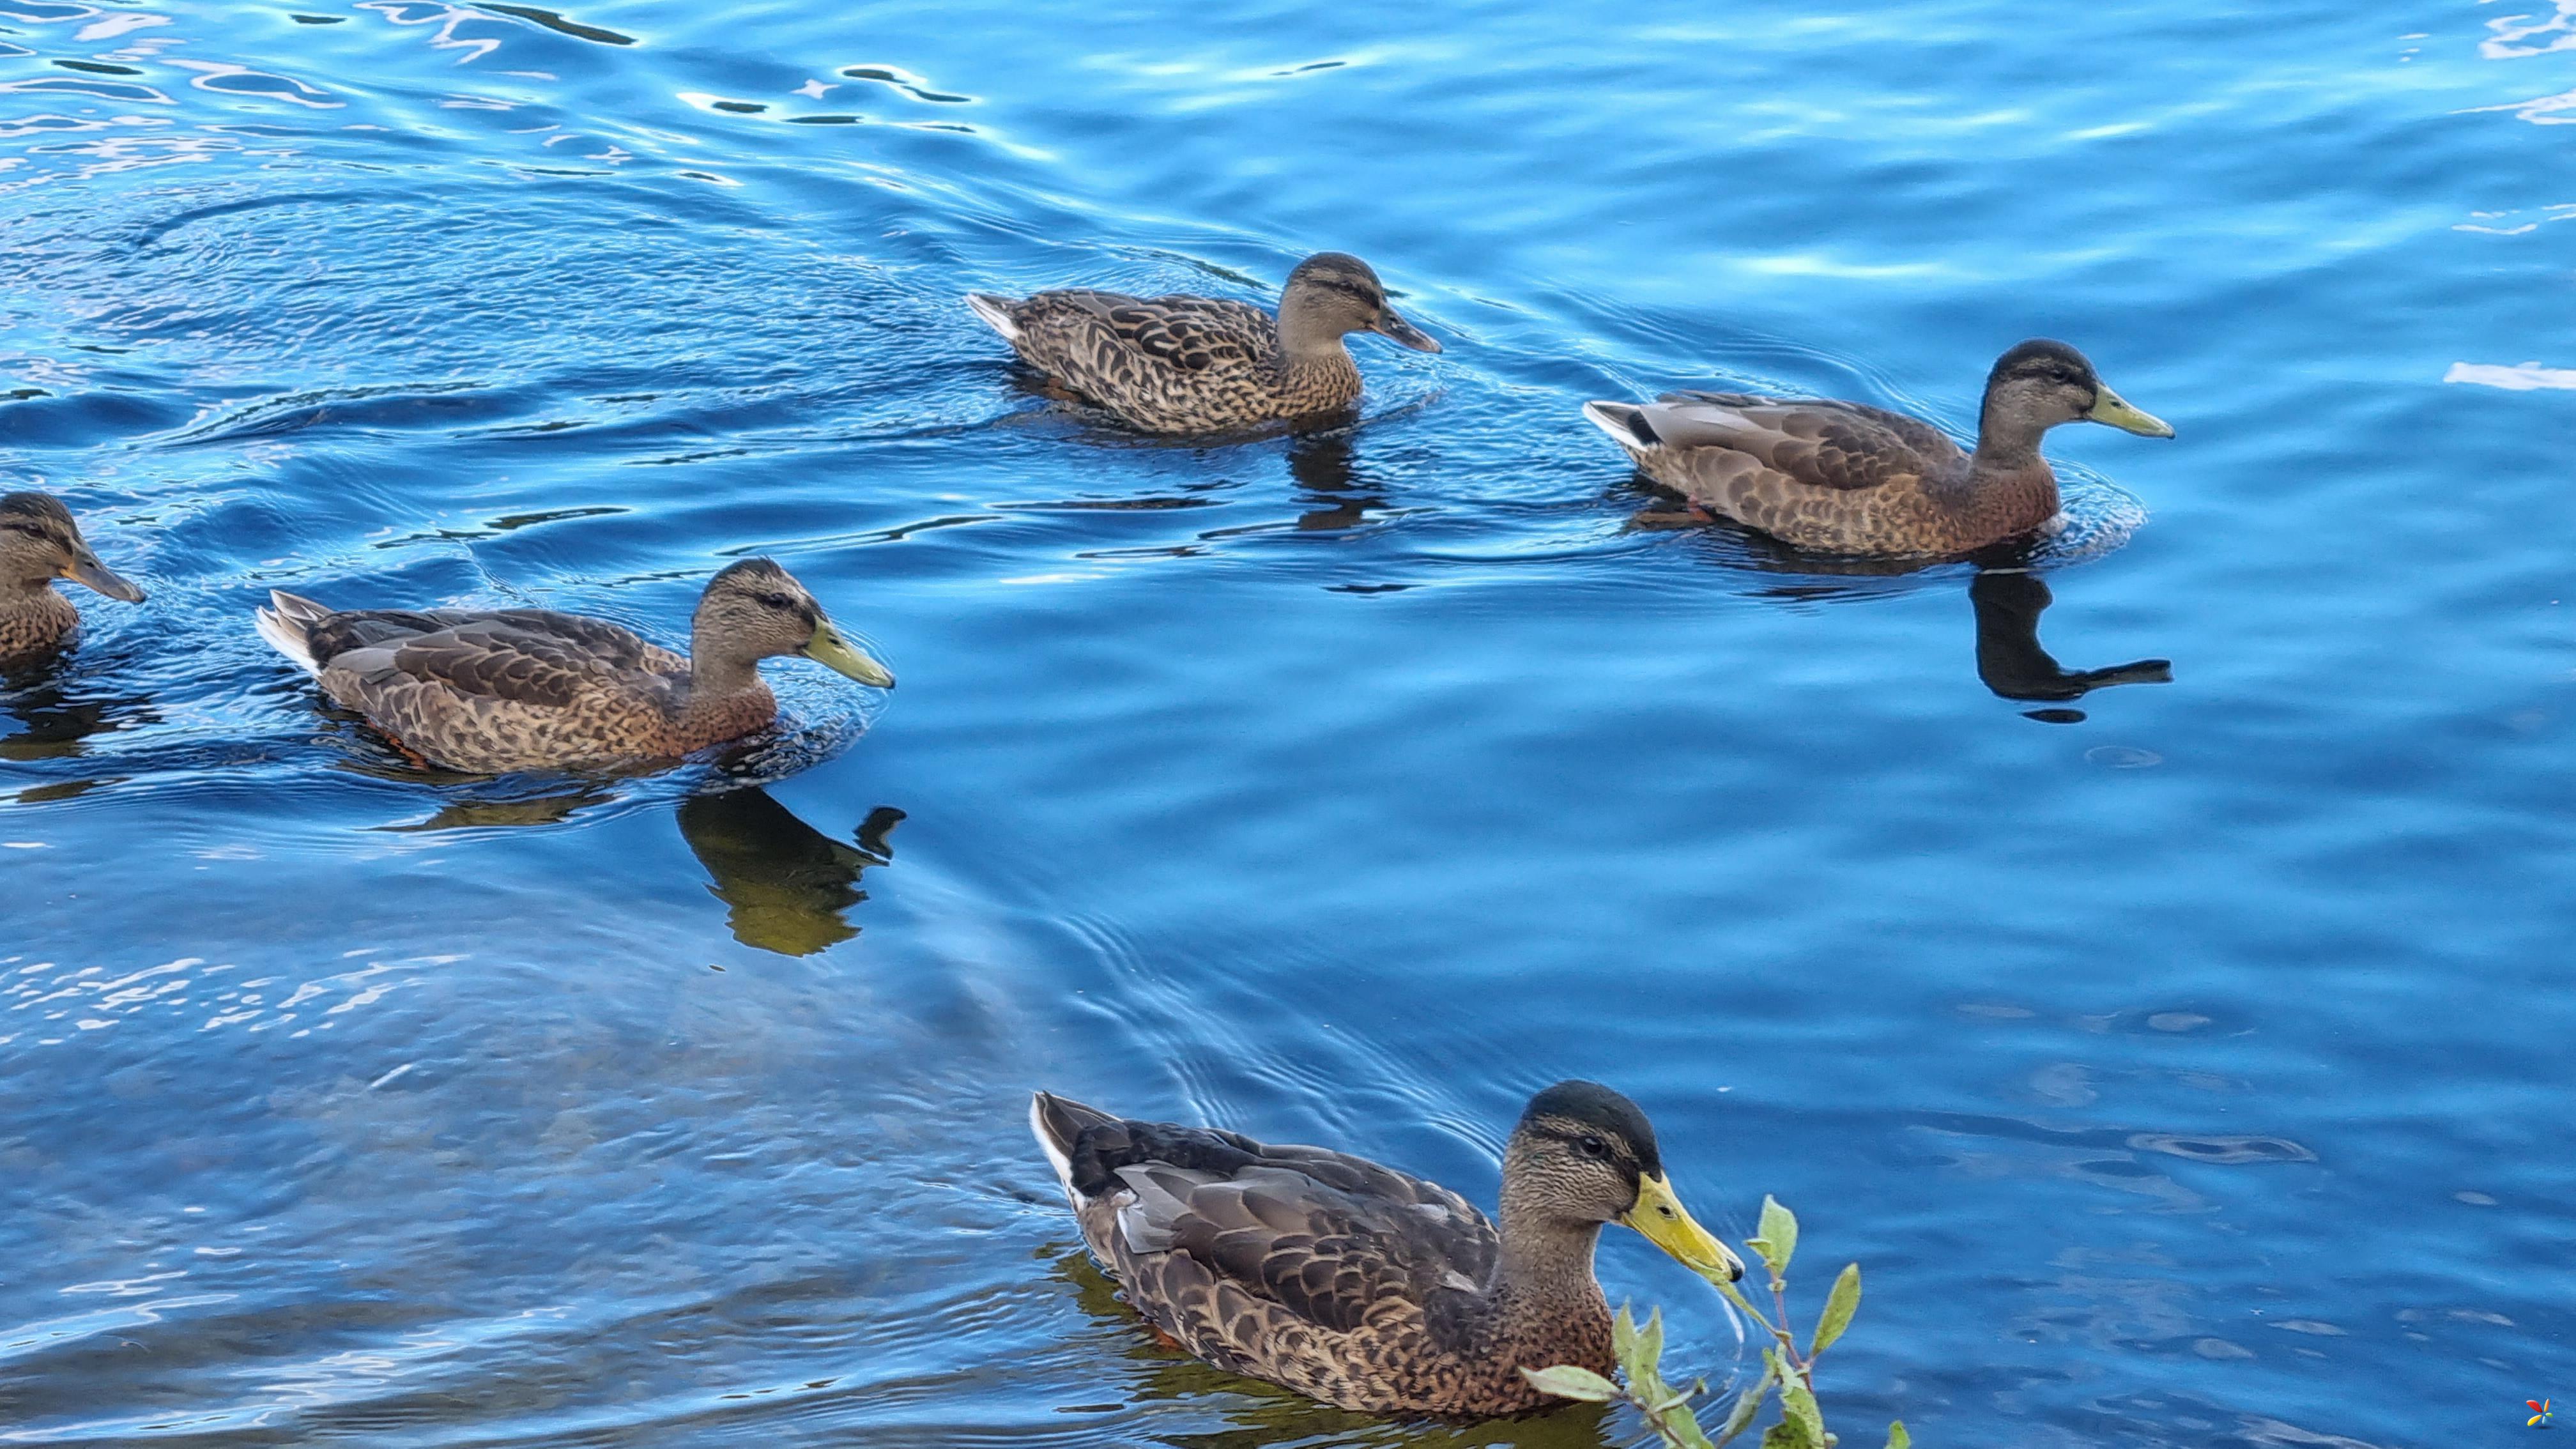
(2005, 440)
(33, 616)
(718, 672)
(26, 593)
(1308, 341)
(1545, 1272)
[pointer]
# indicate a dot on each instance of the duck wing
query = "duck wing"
(526, 656)
(1820, 442)
(505, 690)
(1242, 1249)
(1082, 333)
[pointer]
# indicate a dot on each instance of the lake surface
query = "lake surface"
(2187, 1062)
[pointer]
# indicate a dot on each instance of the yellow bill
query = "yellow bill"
(833, 652)
(1668, 1225)
(2110, 407)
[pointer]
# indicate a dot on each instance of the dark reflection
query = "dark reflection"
(2014, 664)
(2006, 592)
(1320, 462)
(52, 718)
(563, 25)
(1262, 1415)
(503, 811)
(786, 882)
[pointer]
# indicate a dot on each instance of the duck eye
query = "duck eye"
(1590, 1145)
(776, 601)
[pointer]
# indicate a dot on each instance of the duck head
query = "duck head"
(2040, 384)
(755, 610)
(39, 543)
(1334, 293)
(1583, 1155)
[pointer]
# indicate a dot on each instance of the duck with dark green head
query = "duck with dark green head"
(40, 543)
(1363, 1286)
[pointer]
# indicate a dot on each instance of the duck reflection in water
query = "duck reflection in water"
(2006, 592)
(1320, 462)
(50, 701)
(2015, 665)
(787, 884)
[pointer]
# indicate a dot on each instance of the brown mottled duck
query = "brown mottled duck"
(40, 543)
(1357, 1284)
(1183, 364)
(1843, 477)
(528, 689)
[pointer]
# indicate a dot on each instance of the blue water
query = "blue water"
(2186, 1062)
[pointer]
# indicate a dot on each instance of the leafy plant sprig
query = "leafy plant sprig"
(1785, 1368)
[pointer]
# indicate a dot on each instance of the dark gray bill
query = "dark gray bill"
(1393, 327)
(93, 574)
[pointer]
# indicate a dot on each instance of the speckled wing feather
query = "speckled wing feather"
(1169, 364)
(494, 690)
(1333, 1275)
(1082, 329)
(1821, 443)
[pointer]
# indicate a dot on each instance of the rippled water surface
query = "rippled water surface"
(2186, 1062)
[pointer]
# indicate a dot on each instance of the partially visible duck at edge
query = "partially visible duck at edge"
(1184, 364)
(1844, 477)
(40, 543)
(484, 691)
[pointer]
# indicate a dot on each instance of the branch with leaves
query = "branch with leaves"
(1668, 1411)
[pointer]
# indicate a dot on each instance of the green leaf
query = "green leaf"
(1681, 1427)
(1789, 1434)
(1779, 1240)
(1839, 1307)
(1798, 1402)
(1567, 1381)
(1623, 1339)
(1650, 1340)
(1897, 1438)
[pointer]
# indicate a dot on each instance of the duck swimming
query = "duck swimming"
(40, 543)
(1184, 364)
(1844, 477)
(1357, 1284)
(485, 691)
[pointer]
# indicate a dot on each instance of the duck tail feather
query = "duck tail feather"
(1624, 422)
(287, 624)
(1057, 1123)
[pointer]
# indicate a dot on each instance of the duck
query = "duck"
(1362, 1286)
(1185, 364)
(1844, 477)
(40, 543)
(488, 691)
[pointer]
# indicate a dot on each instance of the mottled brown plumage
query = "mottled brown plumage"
(1362, 1286)
(1843, 477)
(526, 689)
(40, 543)
(1184, 364)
